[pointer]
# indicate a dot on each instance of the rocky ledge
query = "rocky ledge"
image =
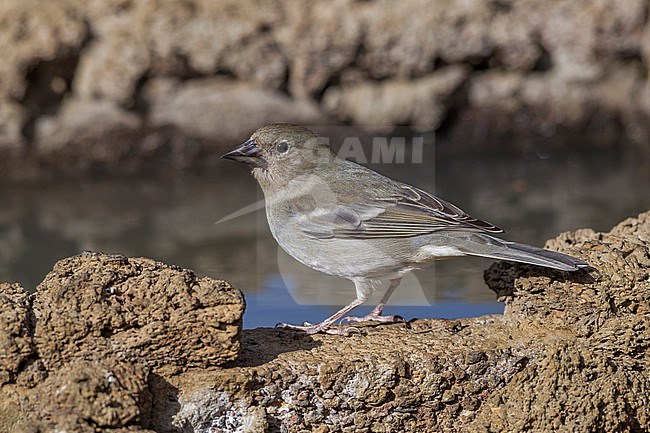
(109, 343)
(114, 85)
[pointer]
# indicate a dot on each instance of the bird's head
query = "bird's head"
(281, 152)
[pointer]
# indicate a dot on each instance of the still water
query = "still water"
(173, 218)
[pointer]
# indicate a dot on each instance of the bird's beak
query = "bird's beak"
(248, 153)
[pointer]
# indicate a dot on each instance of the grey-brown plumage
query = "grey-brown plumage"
(343, 219)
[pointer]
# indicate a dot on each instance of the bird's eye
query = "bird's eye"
(282, 147)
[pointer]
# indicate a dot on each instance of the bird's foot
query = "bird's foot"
(374, 317)
(316, 328)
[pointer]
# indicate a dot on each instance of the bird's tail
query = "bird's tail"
(487, 246)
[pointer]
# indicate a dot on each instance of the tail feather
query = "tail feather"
(503, 250)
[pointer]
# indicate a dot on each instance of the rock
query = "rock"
(423, 383)
(577, 373)
(82, 353)
(136, 309)
(106, 393)
(213, 410)
(16, 346)
(95, 135)
(34, 32)
(12, 119)
(420, 102)
(79, 116)
(555, 104)
(199, 38)
(568, 346)
(602, 360)
(596, 301)
(532, 70)
(223, 110)
(115, 337)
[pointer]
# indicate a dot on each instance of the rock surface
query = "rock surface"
(599, 356)
(184, 105)
(15, 329)
(104, 393)
(530, 70)
(79, 355)
(93, 305)
(569, 353)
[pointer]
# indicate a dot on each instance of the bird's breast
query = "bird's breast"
(346, 258)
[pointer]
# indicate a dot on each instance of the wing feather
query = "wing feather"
(407, 212)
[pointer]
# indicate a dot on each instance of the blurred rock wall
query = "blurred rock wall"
(87, 83)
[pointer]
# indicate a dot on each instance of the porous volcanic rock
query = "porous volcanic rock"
(569, 353)
(15, 330)
(136, 309)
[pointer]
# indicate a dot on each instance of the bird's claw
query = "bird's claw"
(325, 328)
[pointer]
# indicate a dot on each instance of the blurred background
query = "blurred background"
(533, 115)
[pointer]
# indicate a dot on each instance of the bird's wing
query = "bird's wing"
(406, 212)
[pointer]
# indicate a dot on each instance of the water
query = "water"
(172, 218)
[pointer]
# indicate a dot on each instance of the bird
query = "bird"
(344, 219)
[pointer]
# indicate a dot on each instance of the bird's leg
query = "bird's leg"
(375, 314)
(364, 289)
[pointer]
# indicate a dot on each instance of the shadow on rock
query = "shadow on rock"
(262, 345)
(164, 405)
